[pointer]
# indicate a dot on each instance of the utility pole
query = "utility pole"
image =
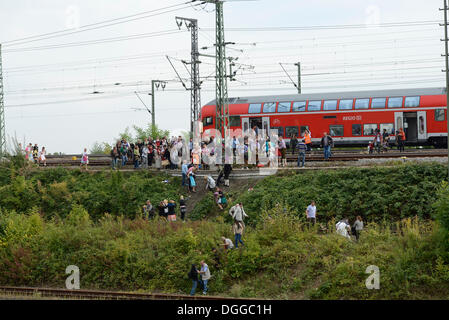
(446, 56)
(195, 87)
(2, 111)
(297, 85)
(299, 76)
(221, 83)
(155, 84)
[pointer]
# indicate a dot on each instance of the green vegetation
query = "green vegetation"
(377, 194)
(55, 192)
(281, 259)
(53, 218)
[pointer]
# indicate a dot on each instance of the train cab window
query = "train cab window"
(303, 130)
(356, 129)
(330, 105)
(234, 121)
(395, 102)
(314, 106)
(361, 103)
(336, 130)
(411, 102)
(439, 115)
(289, 131)
(369, 129)
(299, 106)
(346, 104)
(388, 126)
(378, 103)
(208, 121)
(254, 108)
(269, 107)
(284, 106)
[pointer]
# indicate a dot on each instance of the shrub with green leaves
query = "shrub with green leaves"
(375, 194)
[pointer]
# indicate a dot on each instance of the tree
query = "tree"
(150, 131)
(100, 148)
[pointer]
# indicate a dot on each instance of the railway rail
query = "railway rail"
(100, 295)
(314, 156)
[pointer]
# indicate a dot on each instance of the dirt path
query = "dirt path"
(236, 186)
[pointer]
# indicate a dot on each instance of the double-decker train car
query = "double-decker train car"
(351, 118)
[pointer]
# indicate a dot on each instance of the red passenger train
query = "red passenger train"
(351, 118)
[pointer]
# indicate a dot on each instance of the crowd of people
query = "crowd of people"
(33, 154)
(147, 153)
(167, 209)
(381, 141)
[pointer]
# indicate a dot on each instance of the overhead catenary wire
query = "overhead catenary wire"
(93, 26)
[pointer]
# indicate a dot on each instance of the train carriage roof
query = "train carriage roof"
(336, 95)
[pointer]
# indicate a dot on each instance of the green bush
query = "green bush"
(376, 194)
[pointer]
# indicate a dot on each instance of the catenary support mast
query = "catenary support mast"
(221, 83)
(2, 111)
(446, 56)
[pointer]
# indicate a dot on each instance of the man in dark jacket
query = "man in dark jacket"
(327, 142)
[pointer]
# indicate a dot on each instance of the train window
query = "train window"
(411, 102)
(299, 106)
(234, 121)
(356, 129)
(439, 114)
(388, 126)
(378, 103)
(369, 129)
(336, 130)
(254, 108)
(269, 107)
(284, 106)
(330, 105)
(361, 103)
(208, 121)
(303, 130)
(346, 104)
(289, 131)
(280, 130)
(395, 102)
(314, 106)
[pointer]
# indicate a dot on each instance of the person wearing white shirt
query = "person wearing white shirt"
(343, 227)
(238, 213)
(311, 213)
(227, 243)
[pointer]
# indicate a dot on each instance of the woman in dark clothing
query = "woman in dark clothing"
(227, 172)
(182, 207)
(193, 275)
(161, 208)
(171, 211)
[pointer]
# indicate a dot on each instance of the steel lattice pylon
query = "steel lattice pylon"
(221, 90)
(2, 111)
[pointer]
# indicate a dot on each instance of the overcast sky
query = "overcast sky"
(49, 83)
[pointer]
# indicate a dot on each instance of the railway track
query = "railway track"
(98, 295)
(314, 156)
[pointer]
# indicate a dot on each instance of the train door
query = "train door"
(245, 125)
(422, 125)
(266, 126)
(398, 121)
(410, 126)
